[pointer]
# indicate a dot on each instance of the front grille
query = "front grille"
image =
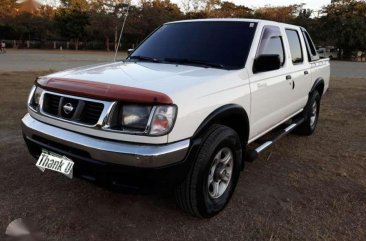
(51, 105)
(91, 112)
(72, 109)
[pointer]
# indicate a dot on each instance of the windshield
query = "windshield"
(215, 44)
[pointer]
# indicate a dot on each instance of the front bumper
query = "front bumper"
(112, 152)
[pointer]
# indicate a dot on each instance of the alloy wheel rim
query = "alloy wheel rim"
(220, 173)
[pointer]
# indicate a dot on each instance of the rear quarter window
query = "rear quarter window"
(312, 54)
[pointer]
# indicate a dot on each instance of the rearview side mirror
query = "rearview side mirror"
(129, 51)
(266, 62)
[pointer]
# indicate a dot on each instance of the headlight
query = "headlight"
(140, 119)
(163, 120)
(134, 117)
(34, 97)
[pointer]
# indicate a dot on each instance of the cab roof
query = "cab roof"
(264, 22)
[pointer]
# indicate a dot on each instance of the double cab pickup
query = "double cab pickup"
(181, 109)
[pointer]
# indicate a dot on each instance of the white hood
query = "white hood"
(170, 79)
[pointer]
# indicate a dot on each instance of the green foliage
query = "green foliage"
(345, 24)
(101, 27)
(71, 22)
(154, 13)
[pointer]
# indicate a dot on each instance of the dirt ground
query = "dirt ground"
(40, 60)
(302, 188)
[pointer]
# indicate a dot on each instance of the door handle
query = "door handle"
(288, 77)
(306, 72)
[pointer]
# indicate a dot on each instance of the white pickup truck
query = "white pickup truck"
(181, 110)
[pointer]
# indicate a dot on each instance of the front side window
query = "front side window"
(221, 44)
(272, 43)
(295, 46)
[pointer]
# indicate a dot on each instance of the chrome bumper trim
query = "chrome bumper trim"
(129, 154)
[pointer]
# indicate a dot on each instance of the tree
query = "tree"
(102, 25)
(229, 9)
(109, 13)
(81, 5)
(345, 25)
(71, 23)
(7, 7)
(151, 14)
(279, 14)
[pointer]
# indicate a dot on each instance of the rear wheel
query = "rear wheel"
(311, 115)
(213, 176)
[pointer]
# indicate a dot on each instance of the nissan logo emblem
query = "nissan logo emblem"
(68, 108)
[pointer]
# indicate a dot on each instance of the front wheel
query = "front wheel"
(213, 176)
(311, 115)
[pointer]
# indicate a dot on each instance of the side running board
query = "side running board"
(252, 154)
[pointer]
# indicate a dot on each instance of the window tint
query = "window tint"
(271, 43)
(312, 54)
(310, 42)
(215, 42)
(295, 46)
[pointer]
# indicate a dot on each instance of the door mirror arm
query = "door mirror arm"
(130, 51)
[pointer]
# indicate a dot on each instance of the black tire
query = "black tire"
(193, 194)
(311, 118)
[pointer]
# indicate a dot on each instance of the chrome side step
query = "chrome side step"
(251, 155)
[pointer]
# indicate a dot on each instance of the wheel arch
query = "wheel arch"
(318, 85)
(231, 115)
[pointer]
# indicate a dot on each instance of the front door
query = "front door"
(271, 90)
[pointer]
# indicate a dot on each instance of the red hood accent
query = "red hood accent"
(104, 91)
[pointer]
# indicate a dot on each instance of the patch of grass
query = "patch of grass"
(15, 87)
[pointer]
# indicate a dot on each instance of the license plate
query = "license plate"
(55, 162)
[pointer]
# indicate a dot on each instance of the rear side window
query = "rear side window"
(272, 43)
(295, 46)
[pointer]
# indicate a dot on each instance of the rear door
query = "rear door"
(300, 69)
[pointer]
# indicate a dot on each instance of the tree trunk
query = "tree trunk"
(107, 42)
(115, 38)
(77, 44)
(347, 53)
(340, 53)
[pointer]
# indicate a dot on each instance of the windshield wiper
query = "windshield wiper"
(194, 62)
(144, 58)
